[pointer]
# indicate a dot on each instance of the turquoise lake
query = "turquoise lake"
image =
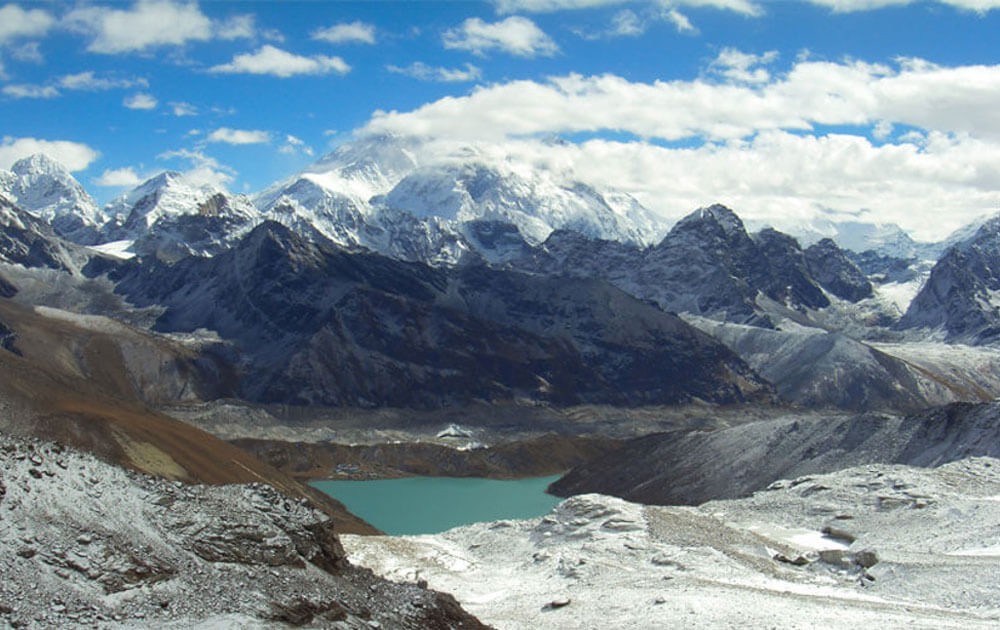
(428, 505)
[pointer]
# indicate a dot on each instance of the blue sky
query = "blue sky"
(715, 97)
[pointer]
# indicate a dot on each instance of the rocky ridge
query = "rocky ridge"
(83, 543)
(321, 325)
(960, 298)
(683, 468)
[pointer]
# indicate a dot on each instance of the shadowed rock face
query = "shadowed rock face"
(6, 288)
(960, 296)
(26, 240)
(669, 469)
(317, 325)
(835, 272)
(707, 265)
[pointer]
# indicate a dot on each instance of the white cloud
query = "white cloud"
(812, 93)
(548, 6)
(745, 7)
(279, 63)
(236, 27)
(295, 145)
(119, 178)
(85, 81)
(757, 142)
(16, 23)
(739, 66)
(848, 6)
(679, 20)
(424, 72)
(515, 35)
(90, 82)
(239, 136)
(346, 33)
(75, 156)
(203, 169)
(627, 24)
(146, 24)
(140, 100)
(180, 108)
(23, 90)
(29, 51)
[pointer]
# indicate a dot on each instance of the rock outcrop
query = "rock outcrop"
(86, 543)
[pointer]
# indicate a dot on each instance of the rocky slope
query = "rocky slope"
(670, 469)
(891, 546)
(320, 325)
(709, 265)
(83, 543)
(30, 242)
(817, 369)
(959, 299)
(89, 381)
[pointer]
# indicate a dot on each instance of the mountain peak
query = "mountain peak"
(44, 187)
(37, 164)
(725, 217)
(716, 219)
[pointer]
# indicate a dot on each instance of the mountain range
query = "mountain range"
(388, 274)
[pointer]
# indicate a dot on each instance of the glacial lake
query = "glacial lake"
(429, 505)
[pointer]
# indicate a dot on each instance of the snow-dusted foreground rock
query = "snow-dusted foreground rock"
(892, 545)
(86, 544)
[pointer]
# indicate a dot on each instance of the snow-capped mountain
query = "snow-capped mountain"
(45, 188)
(961, 298)
(408, 199)
(171, 216)
(886, 239)
(29, 241)
(532, 200)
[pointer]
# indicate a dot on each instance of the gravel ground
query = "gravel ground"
(86, 544)
(903, 547)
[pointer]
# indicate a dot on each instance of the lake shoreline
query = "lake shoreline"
(430, 505)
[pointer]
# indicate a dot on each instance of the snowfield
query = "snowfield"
(890, 545)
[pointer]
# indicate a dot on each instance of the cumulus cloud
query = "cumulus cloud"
(269, 60)
(28, 51)
(424, 72)
(226, 135)
(140, 100)
(75, 156)
(515, 35)
(81, 81)
(346, 33)
(295, 145)
(848, 6)
(203, 170)
(180, 108)
(745, 7)
(119, 178)
(16, 23)
(925, 137)
(146, 24)
(89, 81)
(237, 27)
(740, 66)
(811, 94)
(24, 90)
